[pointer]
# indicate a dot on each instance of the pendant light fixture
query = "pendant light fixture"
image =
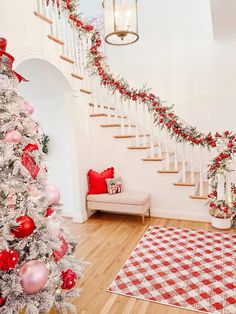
(121, 21)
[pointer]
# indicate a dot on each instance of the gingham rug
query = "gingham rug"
(194, 270)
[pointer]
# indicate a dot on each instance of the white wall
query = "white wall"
(48, 92)
(178, 57)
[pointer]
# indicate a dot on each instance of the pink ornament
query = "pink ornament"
(28, 107)
(13, 137)
(53, 194)
(33, 191)
(12, 199)
(34, 275)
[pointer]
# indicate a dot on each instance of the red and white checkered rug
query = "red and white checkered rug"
(194, 270)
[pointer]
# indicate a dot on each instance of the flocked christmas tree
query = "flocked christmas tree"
(37, 267)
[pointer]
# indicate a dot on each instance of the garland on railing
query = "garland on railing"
(163, 115)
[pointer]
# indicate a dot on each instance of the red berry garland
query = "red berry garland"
(69, 279)
(8, 259)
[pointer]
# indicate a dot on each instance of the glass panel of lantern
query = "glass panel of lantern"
(121, 21)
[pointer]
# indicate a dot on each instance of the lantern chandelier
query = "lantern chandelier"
(121, 21)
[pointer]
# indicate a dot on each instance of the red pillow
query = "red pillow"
(97, 181)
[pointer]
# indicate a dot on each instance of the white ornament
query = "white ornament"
(53, 227)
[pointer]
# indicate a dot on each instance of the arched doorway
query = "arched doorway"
(50, 94)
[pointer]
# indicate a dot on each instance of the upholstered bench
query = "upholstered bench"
(137, 203)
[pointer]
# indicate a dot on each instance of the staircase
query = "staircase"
(129, 123)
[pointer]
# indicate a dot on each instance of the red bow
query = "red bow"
(28, 162)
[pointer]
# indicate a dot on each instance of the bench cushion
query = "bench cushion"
(127, 197)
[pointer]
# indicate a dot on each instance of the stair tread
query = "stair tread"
(205, 192)
(67, 59)
(129, 136)
(156, 157)
(115, 125)
(110, 125)
(93, 115)
(141, 146)
(77, 76)
(99, 106)
(184, 183)
(83, 90)
(42, 17)
(198, 197)
(171, 169)
(153, 159)
(113, 115)
(56, 40)
(188, 181)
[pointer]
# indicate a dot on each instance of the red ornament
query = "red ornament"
(8, 260)
(2, 301)
(49, 212)
(69, 279)
(25, 228)
(58, 254)
(28, 162)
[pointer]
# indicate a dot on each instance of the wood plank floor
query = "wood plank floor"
(106, 241)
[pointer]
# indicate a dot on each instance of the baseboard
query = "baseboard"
(192, 216)
(80, 218)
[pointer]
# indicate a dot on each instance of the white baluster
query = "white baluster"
(176, 156)
(51, 17)
(75, 48)
(201, 182)
(184, 164)
(56, 21)
(152, 153)
(136, 128)
(221, 187)
(228, 196)
(143, 108)
(122, 129)
(44, 8)
(128, 116)
(159, 142)
(167, 151)
(192, 175)
(94, 95)
(39, 6)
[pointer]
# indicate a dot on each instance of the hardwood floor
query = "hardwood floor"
(106, 241)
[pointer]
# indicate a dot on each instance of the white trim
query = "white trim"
(183, 215)
(80, 218)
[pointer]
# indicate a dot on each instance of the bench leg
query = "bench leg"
(143, 219)
(149, 212)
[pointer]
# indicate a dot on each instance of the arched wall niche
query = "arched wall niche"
(49, 91)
